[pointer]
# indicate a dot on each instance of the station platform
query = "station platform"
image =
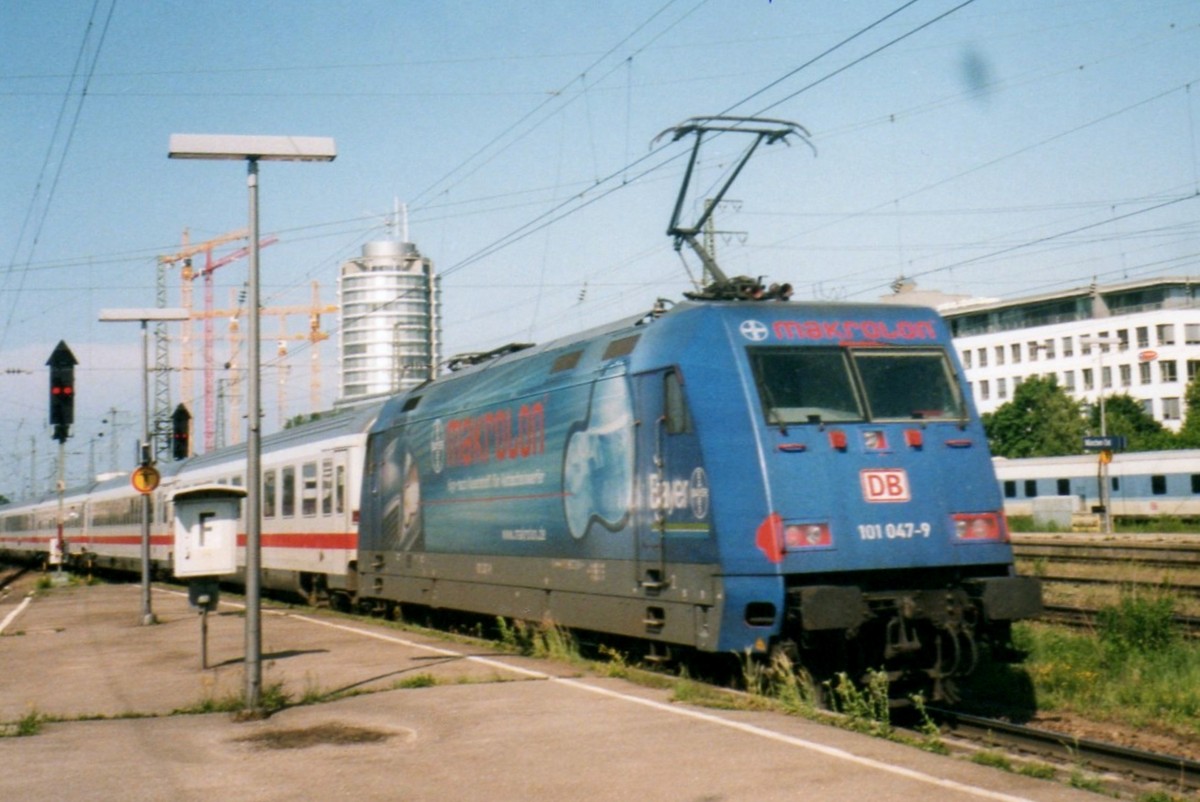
(379, 712)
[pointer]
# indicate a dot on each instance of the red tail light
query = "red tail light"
(980, 526)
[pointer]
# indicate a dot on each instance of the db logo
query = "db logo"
(885, 486)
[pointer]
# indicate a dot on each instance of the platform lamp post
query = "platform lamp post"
(252, 150)
(1102, 343)
(146, 450)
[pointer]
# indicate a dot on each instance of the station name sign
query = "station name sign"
(1104, 443)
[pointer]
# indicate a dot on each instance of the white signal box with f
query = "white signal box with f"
(206, 530)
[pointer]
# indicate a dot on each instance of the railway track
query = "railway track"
(1087, 619)
(1127, 560)
(1172, 771)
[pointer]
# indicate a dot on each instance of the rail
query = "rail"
(1173, 771)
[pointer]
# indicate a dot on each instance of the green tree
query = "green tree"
(1189, 435)
(1126, 416)
(1041, 420)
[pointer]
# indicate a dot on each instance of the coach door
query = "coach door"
(672, 484)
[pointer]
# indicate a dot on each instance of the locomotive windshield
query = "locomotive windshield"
(819, 385)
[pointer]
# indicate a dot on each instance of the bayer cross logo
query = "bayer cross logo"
(753, 330)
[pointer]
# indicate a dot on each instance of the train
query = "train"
(1143, 485)
(717, 475)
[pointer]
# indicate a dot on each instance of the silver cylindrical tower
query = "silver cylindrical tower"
(390, 333)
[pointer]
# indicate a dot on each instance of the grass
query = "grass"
(1135, 669)
(29, 724)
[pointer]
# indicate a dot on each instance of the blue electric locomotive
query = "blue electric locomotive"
(723, 476)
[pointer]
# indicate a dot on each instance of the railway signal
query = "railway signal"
(62, 390)
(181, 421)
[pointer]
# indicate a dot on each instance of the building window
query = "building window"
(1106, 377)
(1001, 388)
(1017, 382)
(983, 390)
(1143, 336)
(1191, 333)
(1068, 345)
(999, 354)
(1144, 373)
(1168, 370)
(1088, 381)
(1193, 367)
(1033, 351)
(1016, 353)
(1148, 406)
(966, 358)
(1166, 334)
(1123, 336)
(1170, 408)
(1104, 345)
(1158, 484)
(1048, 347)
(1069, 380)
(1126, 375)
(983, 357)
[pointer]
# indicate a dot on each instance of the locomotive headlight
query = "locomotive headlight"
(979, 526)
(800, 536)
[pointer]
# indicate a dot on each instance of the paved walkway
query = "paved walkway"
(434, 720)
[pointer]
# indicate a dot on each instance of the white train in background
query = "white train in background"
(1142, 484)
(311, 478)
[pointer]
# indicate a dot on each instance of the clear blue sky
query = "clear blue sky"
(991, 148)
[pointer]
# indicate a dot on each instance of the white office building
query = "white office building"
(391, 330)
(1140, 338)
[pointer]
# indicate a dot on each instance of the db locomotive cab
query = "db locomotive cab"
(883, 515)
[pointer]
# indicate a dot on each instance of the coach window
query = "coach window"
(327, 487)
(339, 496)
(1010, 488)
(287, 506)
(1158, 484)
(679, 420)
(308, 492)
(1030, 488)
(269, 494)
(1196, 482)
(1064, 487)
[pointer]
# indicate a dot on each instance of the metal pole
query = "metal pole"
(147, 612)
(253, 660)
(62, 486)
(1106, 517)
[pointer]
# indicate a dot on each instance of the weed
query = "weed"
(1159, 796)
(272, 698)
(1085, 782)
(1038, 771)
(994, 759)
(867, 708)
(931, 734)
(416, 681)
(29, 724)
(1138, 624)
(547, 640)
(617, 663)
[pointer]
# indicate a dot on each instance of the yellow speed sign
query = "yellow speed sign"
(144, 479)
